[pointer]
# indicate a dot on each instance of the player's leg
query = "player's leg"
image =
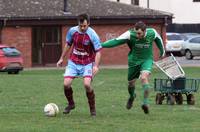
(89, 90)
(145, 74)
(133, 74)
(69, 75)
(145, 89)
(132, 95)
(90, 95)
(69, 95)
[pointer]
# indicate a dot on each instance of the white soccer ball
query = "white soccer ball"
(51, 110)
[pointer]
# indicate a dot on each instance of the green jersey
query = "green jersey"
(141, 49)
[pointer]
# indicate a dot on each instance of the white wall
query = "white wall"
(185, 11)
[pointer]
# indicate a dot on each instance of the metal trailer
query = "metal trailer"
(173, 90)
(173, 87)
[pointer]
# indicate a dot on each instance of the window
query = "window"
(135, 2)
(174, 37)
(195, 40)
(196, 0)
(11, 51)
(198, 40)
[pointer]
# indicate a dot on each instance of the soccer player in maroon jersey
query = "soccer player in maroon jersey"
(83, 61)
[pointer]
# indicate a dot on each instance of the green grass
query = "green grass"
(23, 97)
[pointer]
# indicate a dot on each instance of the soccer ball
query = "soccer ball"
(51, 110)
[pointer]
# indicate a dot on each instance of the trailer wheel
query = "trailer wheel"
(159, 98)
(170, 99)
(179, 99)
(190, 99)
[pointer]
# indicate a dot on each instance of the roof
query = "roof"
(42, 9)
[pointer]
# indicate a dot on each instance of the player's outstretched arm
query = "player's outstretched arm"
(122, 39)
(113, 43)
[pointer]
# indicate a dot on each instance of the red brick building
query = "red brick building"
(38, 27)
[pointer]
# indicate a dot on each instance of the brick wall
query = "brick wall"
(21, 39)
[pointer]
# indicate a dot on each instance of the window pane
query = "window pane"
(194, 40)
(9, 51)
(198, 40)
(174, 37)
(135, 2)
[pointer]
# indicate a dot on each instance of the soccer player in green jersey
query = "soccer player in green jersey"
(140, 58)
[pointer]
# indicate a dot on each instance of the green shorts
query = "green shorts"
(134, 68)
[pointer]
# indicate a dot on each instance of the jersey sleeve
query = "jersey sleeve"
(122, 39)
(95, 39)
(69, 35)
(159, 43)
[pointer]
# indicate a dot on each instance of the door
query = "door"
(46, 48)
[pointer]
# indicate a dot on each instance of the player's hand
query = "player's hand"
(59, 63)
(95, 70)
(162, 56)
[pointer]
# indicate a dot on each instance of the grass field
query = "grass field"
(23, 97)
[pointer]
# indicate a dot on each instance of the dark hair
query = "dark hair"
(83, 17)
(140, 25)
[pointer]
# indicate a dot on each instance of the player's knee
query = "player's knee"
(88, 89)
(131, 83)
(144, 79)
(67, 87)
(87, 85)
(67, 82)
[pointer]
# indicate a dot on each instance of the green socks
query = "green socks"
(145, 88)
